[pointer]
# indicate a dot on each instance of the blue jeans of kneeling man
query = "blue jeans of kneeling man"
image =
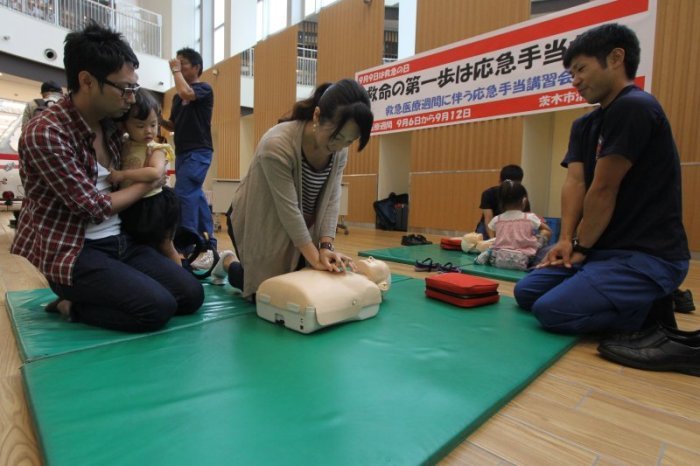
(611, 291)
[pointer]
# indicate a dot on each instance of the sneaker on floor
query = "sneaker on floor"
(204, 261)
(219, 275)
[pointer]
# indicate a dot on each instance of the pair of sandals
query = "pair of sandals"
(414, 240)
(427, 265)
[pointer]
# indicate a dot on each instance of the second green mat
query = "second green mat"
(404, 387)
(411, 254)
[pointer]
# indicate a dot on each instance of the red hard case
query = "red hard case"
(462, 290)
(454, 243)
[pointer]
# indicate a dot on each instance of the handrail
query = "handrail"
(141, 28)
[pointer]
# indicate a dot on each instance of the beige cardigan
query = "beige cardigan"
(267, 219)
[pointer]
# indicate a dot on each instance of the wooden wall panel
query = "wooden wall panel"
(442, 22)
(674, 83)
(691, 208)
(676, 67)
(351, 39)
(471, 146)
(480, 148)
(362, 192)
(275, 79)
(225, 80)
(445, 201)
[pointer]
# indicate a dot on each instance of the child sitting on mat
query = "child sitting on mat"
(154, 219)
(516, 243)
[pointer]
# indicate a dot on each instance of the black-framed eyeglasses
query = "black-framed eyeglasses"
(126, 91)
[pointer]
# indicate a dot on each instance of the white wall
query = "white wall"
(394, 164)
(247, 92)
(545, 142)
(29, 38)
(536, 159)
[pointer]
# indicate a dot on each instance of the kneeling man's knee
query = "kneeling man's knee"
(554, 317)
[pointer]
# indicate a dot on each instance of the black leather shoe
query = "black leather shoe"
(683, 301)
(644, 338)
(661, 313)
(661, 349)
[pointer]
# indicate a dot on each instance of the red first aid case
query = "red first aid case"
(462, 290)
(452, 243)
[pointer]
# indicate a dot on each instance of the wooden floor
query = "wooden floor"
(583, 410)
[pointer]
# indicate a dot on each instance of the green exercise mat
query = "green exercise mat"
(40, 334)
(411, 254)
(490, 271)
(404, 387)
(397, 277)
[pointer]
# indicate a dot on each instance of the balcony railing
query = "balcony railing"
(306, 65)
(141, 28)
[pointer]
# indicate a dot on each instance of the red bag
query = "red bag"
(461, 289)
(451, 243)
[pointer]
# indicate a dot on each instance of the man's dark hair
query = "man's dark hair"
(512, 172)
(193, 57)
(601, 40)
(99, 51)
(50, 86)
(339, 103)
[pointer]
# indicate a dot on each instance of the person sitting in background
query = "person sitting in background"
(515, 244)
(491, 204)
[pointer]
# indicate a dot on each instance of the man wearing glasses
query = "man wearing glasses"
(69, 227)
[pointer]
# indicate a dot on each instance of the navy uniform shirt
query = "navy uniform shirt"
(192, 119)
(648, 211)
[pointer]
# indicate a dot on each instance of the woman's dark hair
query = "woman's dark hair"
(511, 194)
(339, 103)
(193, 57)
(141, 108)
(600, 41)
(99, 51)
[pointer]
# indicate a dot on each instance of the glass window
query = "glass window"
(198, 24)
(278, 15)
(309, 7)
(259, 30)
(219, 48)
(219, 12)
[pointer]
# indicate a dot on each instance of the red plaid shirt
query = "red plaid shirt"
(58, 168)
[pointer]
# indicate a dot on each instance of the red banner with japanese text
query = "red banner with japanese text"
(512, 71)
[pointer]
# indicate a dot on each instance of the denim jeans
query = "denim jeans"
(190, 171)
(121, 285)
(612, 291)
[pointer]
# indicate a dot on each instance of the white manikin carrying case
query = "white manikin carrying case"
(308, 300)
